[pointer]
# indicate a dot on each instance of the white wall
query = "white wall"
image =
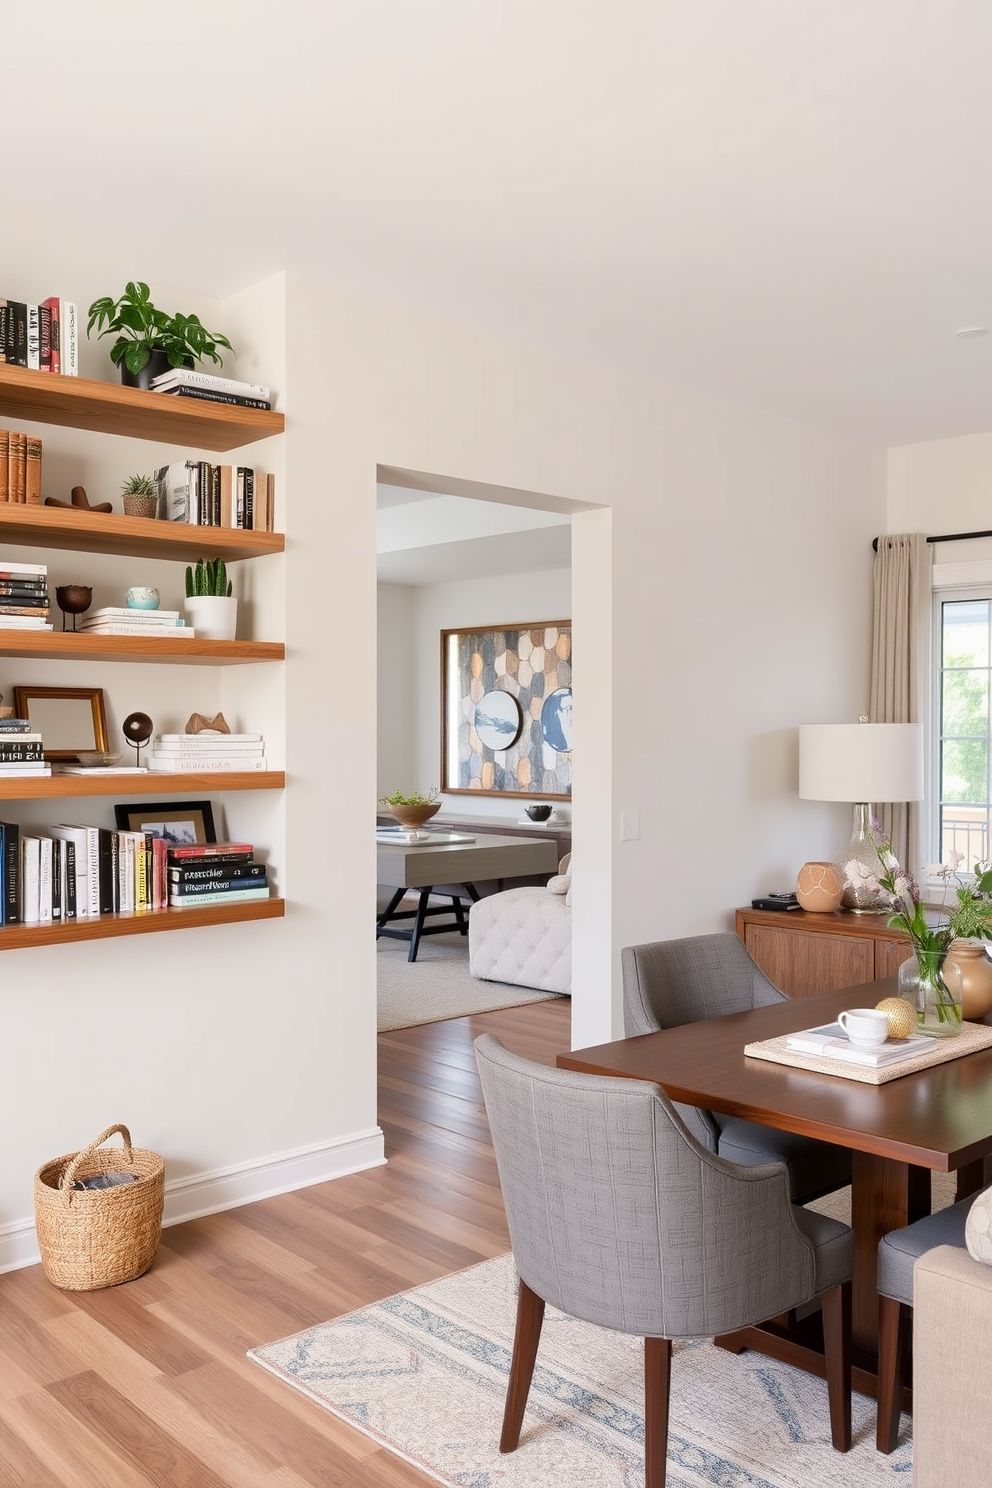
(720, 600)
(397, 691)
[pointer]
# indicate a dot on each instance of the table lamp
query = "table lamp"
(863, 763)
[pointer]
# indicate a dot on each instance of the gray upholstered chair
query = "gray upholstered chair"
(898, 1252)
(670, 982)
(619, 1217)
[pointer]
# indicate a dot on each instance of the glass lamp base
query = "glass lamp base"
(861, 867)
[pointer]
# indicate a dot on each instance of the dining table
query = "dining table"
(937, 1119)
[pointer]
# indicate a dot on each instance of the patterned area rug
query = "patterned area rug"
(424, 1373)
(437, 985)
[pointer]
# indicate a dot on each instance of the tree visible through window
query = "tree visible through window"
(965, 803)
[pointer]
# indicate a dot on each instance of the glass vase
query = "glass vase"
(931, 981)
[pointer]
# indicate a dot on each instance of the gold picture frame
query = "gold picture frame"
(80, 723)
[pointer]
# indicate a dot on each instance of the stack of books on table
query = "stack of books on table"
(24, 601)
(186, 382)
(118, 620)
(215, 873)
(206, 751)
(21, 750)
(829, 1041)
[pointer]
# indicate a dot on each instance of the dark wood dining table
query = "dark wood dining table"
(936, 1120)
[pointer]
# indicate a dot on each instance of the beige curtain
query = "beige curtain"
(900, 665)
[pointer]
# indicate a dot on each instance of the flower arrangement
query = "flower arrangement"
(970, 917)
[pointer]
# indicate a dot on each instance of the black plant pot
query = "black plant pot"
(157, 363)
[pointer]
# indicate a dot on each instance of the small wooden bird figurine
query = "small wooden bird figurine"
(81, 501)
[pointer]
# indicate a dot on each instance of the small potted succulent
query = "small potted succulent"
(211, 608)
(414, 809)
(149, 341)
(140, 496)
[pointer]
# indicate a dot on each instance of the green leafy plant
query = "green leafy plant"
(399, 798)
(144, 329)
(139, 485)
(208, 578)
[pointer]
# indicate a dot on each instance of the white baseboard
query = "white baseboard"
(228, 1188)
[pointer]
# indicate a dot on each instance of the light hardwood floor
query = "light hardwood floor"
(148, 1384)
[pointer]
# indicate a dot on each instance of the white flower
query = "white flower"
(901, 885)
(858, 875)
(955, 858)
(890, 861)
(938, 870)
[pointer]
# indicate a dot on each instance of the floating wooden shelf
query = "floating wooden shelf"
(182, 783)
(100, 927)
(57, 645)
(108, 408)
(129, 537)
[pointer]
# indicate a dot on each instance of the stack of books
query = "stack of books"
(830, 1041)
(215, 873)
(118, 620)
(20, 468)
(21, 750)
(206, 751)
(42, 337)
(206, 495)
(187, 382)
(24, 601)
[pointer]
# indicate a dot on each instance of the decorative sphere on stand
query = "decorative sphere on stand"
(137, 730)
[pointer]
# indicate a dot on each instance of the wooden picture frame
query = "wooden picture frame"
(533, 663)
(184, 823)
(80, 723)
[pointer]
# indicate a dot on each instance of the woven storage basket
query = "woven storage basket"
(99, 1237)
(140, 506)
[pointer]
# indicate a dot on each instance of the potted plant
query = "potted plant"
(211, 608)
(149, 341)
(140, 496)
(414, 809)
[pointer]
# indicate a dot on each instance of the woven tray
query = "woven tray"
(973, 1036)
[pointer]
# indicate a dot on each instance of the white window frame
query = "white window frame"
(950, 581)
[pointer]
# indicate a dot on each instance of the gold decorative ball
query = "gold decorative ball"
(902, 1016)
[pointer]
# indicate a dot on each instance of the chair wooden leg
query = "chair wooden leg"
(836, 1305)
(891, 1368)
(657, 1390)
(527, 1335)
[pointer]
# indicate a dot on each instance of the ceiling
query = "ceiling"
(781, 201)
(427, 538)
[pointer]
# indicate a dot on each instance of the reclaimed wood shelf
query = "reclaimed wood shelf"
(133, 413)
(155, 783)
(129, 537)
(101, 927)
(56, 645)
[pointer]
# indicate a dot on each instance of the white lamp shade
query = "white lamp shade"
(861, 761)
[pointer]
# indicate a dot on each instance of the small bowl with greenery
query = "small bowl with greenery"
(413, 809)
(140, 496)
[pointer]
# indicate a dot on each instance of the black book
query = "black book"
(236, 855)
(69, 857)
(10, 872)
(9, 750)
(215, 886)
(57, 846)
(14, 327)
(108, 870)
(209, 396)
(24, 586)
(230, 872)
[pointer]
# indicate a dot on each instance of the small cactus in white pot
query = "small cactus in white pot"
(211, 608)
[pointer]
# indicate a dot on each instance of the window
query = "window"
(963, 737)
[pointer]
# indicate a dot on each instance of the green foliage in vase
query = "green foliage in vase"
(208, 578)
(399, 798)
(139, 485)
(143, 329)
(971, 916)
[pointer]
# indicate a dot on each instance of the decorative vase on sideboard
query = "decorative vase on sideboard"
(820, 887)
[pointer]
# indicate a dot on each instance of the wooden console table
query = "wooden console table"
(808, 953)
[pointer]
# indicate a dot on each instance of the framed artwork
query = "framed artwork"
(69, 719)
(506, 710)
(183, 823)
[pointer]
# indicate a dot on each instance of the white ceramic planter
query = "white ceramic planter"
(214, 617)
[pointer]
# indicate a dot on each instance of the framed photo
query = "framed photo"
(183, 823)
(506, 710)
(69, 719)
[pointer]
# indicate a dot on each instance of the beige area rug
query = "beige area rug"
(424, 1374)
(437, 985)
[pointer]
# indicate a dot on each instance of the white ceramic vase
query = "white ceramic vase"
(214, 617)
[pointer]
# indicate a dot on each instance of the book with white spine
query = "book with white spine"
(131, 612)
(167, 764)
(216, 744)
(189, 377)
(169, 632)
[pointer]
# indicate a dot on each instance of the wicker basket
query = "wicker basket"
(99, 1237)
(140, 506)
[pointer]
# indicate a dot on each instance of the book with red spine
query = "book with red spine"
(50, 309)
(232, 851)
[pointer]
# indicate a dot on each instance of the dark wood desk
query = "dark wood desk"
(938, 1119)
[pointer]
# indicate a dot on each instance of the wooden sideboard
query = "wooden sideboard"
(808, 953)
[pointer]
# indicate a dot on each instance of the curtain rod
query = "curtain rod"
(943, 537)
